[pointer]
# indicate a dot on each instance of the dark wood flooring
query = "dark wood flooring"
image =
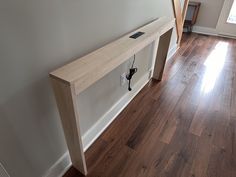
(184, 126)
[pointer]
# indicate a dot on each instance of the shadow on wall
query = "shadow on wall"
(29, 126)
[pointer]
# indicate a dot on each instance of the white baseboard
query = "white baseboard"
(210, 31)
(227, 36)
(62, 165)
(205, 30)
(172, 51)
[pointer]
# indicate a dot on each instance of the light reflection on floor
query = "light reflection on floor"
(214, 65)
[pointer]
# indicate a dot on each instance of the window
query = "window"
(232, 14)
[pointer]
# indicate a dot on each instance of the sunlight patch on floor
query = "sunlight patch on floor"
(214, 65)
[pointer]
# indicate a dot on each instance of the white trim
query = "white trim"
(210, 31)
(223, 27)
(3, 172)
(205, 30)
(172, 51)
(227, 36)
(60, 167)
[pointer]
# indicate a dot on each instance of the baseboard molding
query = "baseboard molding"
(62, 165)
(211, 32)
(205, 30)
(227, 36)
(172, 51)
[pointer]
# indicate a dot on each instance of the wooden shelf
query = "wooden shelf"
(70, 80)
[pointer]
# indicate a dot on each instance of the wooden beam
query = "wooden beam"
(68, 109)
(180, 17)
(185, 9)
(179, 20)
(162, 52)
(85, 71)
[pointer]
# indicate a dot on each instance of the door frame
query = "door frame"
(180, 17)
(220, 27)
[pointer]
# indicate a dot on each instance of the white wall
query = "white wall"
(37, 36)
(209, 13)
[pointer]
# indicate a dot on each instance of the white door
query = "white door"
(227, 21)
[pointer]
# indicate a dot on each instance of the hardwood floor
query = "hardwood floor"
(184, 126)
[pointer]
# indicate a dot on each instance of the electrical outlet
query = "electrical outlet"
(123, 79)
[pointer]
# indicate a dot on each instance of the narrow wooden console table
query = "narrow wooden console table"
(70, 80)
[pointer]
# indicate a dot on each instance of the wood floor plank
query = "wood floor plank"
(138, 165)
(233, 97)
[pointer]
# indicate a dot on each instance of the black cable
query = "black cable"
(132, 71)
(133, 61)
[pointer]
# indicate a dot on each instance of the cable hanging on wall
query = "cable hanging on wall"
(132, 71)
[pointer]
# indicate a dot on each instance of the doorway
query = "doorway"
(227, 21)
